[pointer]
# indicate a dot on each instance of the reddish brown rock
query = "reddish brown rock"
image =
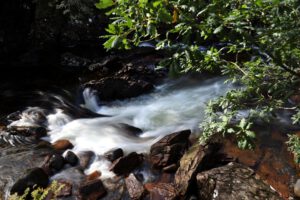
(169, 149)
(126, 164)
(162, 191)
(190, 164)
(270, 159)
(233, 181)
(93, 176)
(62, 145)
(92, 190)
(135, 187)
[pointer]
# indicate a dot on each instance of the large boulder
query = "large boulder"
(190, 164)
(169, 149)
(112, 88)
(121, 77)
(126, 164)
(17, 162)
(36, 177)
(233, 181)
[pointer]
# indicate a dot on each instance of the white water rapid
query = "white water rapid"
(174, 106)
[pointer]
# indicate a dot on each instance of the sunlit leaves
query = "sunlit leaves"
(253, 43)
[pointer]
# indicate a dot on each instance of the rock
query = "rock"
(162, 191)
(135, 188)
(126, 164)
(36, 132)
(21, 135)
(36, 177)
(129, 130)
(71, 158)
(92, 190)
(169, 149)
(297, 188)
(72, 175)
(233, 181)
(171, 168)
(112, 88)
(66, 190)
(16, 162)
(116, 189)
(53, 163)
(114, 154)
(62, 145)
(190, 164)
(94, 175)
(85, 158)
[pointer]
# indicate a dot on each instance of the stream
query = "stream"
(69, 112)
(173, 106)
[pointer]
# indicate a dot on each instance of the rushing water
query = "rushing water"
(173, 106)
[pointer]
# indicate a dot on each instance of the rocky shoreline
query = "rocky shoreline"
(183, 169)
(186, 172)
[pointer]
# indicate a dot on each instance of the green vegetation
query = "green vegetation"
(40, 193)
(294, 146)
(252, 42)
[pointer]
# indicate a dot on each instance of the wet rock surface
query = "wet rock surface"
(135, 187)
(270, 160)
(92, 190)
(62, 145)
(233, 181)
(126, 164)
(116, 189)
(36, 177)
(72, 176)
(15, 162)
(71, 158)
(163, 191)
(169, 149)
(119, 88)
(53, 163)
(93, 176)
(85, 158)
(121, 77)
(190, 164)
(114, 154)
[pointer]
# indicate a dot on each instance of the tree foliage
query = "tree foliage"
(252, 42)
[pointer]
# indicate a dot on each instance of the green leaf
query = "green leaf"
(218, 29)
(243, 123)
(111, 42)
(250, 134)
(103, 4)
